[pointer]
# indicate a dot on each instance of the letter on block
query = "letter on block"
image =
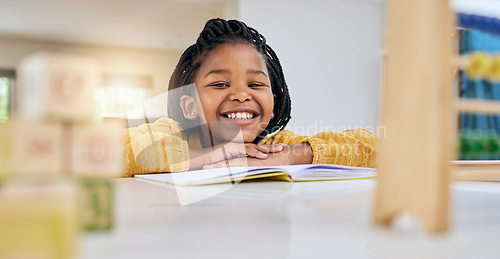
(97, 150)
(37, 148)
(95, 203)
(60, 86)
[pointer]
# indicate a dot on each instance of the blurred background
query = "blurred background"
(330, 50)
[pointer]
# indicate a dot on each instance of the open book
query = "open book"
(314, 172)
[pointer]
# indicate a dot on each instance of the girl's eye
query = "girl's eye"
(252, 85)
(220, 85)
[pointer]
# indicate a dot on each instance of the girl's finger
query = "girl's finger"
(253, 152)
(269, 148)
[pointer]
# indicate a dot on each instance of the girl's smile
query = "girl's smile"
(233, 86)
(240, 115)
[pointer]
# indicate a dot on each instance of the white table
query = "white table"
(283, 220)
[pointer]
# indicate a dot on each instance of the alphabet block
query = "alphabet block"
(5, 152)
(37, 148)
(97, 149)
(57, 86)
(95, 203)
(38, 221)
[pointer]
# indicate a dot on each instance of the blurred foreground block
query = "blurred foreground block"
(5, 152)
(37, 221)
(57, 86)
(36, 148)
(97, 149)
(95, 203)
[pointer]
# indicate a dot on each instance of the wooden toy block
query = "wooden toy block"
(37, 148)
(58, 86)
(38, 221)
(97, 149)
(5, 152)
(417, 111)
(95, 206)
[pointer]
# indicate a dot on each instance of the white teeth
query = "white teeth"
(240, 115)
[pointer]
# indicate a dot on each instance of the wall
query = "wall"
(115, 60)
(330, 52)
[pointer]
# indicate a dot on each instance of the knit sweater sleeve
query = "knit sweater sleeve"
(155, 148)
(349, 147)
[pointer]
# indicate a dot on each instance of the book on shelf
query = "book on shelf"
(292, 173)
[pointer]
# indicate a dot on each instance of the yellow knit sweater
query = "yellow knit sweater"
(163, 147)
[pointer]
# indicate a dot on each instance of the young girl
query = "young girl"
(239, 82)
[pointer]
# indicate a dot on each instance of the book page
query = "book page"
(210, 176)
(308, 172)
(319, 172)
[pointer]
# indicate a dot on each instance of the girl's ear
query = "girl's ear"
(188, 107)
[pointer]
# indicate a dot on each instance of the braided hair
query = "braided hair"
(217, 32)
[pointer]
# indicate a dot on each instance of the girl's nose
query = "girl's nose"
(240, 93)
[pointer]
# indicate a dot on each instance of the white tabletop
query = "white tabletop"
(289, 220)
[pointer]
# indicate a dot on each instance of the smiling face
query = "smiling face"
(234, 87)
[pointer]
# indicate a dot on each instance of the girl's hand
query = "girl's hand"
(260, 151)
(230, 151)
(290, 155)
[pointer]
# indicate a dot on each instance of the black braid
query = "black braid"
(217, 32)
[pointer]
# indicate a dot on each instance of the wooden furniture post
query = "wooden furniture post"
(417, 112)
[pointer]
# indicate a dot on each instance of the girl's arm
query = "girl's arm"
(350, 147)
(155, 148)
(162, 147)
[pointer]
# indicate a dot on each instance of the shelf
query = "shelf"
(474, 106)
